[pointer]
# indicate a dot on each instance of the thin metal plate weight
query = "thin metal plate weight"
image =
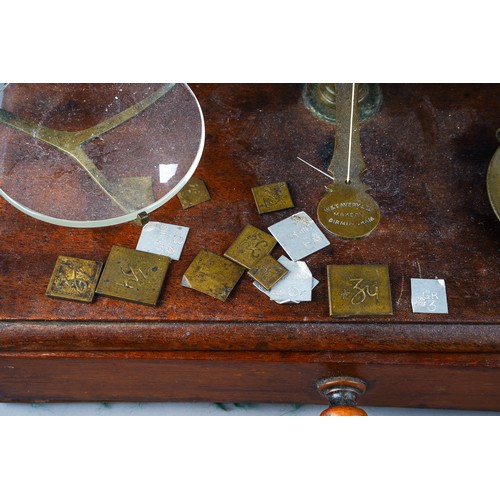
(212, 275)
(74, 279)
(133, 275)
(359, 290)
(295, 287)
(268, 271)
(299, 236)
(428, 296)
(163, 239)
(272, 197)
(193, 193)
(251, 245)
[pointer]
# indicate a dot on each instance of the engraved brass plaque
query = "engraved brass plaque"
(212, 275)
(348, 212)
(268, 271)
(133, 275)
(359, 290)
(272, 197)
(74, 279)
(250, 246)
(193, 193)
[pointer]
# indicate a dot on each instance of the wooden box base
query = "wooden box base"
(427, 149)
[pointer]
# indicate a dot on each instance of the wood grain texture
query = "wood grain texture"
(427, 151)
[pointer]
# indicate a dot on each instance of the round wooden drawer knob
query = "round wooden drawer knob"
(342, 393)
(343, 411)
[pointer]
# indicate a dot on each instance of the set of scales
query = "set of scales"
(42, 126)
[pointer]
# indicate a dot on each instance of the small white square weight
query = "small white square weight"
(299, 236)
(296, 286)
(302, 269)
(163, 239)
(428, 296)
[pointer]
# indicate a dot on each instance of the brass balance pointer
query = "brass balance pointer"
(348, 211)
(71, 142)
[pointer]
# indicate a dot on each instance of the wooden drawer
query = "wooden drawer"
(400, 380)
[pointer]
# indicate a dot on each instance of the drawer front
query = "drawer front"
(164, 377)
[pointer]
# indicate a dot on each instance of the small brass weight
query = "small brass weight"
(347, 210)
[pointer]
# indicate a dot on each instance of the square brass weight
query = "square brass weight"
(212, 274)
(74, 279)
(137, 191)
(359, 290)
(250, 246)
(268, 272)
(133, 275)
(272, 197)
(193, 193)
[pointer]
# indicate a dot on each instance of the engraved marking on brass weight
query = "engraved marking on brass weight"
(133, 275)
(193, 193)
(74, 279)
(359, 290)
(268, 272)
(212, 275)
(272, 197)
(250, 246)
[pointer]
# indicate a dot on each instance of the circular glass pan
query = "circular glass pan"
(493, 182)
(93, 155)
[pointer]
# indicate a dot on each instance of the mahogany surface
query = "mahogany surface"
(427, 150)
